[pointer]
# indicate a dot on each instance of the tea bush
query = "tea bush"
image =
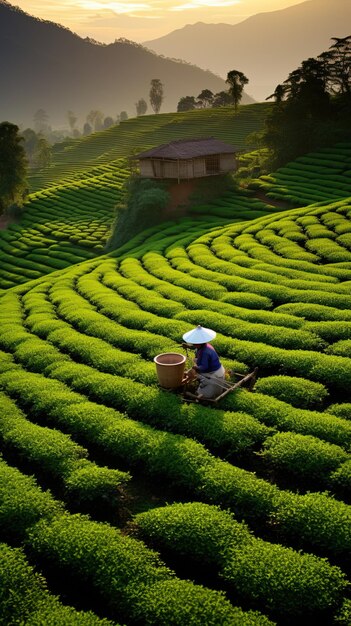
(299, 392)
(261, 574)
(304, 457)
(24, 597)
(129, 578)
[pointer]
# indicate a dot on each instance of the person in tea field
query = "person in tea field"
(207, 367)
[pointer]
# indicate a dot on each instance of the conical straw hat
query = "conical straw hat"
(199, 335)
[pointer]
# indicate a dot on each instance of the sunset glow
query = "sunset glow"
(107, 20)
(199, 4)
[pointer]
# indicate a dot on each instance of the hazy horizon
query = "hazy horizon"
(107, 20)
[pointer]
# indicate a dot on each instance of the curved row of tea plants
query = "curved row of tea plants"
(77, 361)
(61, 226)
(129, 579)
(315, 177)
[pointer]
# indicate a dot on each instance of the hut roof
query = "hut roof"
(188, 149)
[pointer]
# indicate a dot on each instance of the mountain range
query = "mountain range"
(46, 66)
(266, 47)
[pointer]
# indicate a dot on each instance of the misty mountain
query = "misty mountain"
(45, 66)
(266, 46)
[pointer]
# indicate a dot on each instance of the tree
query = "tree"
(13, 166)
(141, 107)
(41, 120)
(222, 99)
(43, 152)
(37, 148)
(156, 95)
(108, 122)
(87, 129)
(236, 81)
(187, 103)
(30, 143)
(338, 64)
(313, 106)
(205, 99)
(143, 204)
(123, 116)
(72, 120)
(278, 94)
(95, 119)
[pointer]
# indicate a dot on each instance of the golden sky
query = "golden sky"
(142, 20)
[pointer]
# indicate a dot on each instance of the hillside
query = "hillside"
(46, 66)
(122, 504)
(250, 497)
(266, 47)
(68, 215)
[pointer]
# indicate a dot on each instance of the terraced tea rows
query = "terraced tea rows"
(61, 226)
(67, 224)
(142, 133)
(315, 177)
(83, 412)
(68, 219)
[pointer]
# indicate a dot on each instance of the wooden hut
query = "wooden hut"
(187, 159)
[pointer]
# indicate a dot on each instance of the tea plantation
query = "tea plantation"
(68, 215)
(119, 504)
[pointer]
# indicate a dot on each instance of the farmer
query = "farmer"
(207, 366)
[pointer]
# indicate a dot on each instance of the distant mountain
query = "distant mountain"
(266, 46)
(45, 66)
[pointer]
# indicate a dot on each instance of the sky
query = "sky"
(143, 20)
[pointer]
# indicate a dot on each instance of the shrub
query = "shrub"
(341, 348)
(341, 410)
(144, 201)
(314, 519)
(302, 456)
(261, 574)
(276, 336)
(341, 478)
(247, 300)
(299, 392)
(91, 485)
(284, 417)
(130, 579)
(179, 602)
(24, 597)
(22, 504)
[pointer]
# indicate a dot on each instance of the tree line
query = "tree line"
(312, 107)
(207, 99)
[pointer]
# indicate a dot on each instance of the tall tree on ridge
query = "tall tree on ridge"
(156, 94)
(236, 81)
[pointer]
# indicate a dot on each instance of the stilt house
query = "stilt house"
(187, 159)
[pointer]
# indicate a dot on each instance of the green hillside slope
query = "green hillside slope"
(248, 502)
(69, 217)
(76, 368)
(141, 133)
(314, 177)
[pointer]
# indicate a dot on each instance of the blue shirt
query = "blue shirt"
(207, 359)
